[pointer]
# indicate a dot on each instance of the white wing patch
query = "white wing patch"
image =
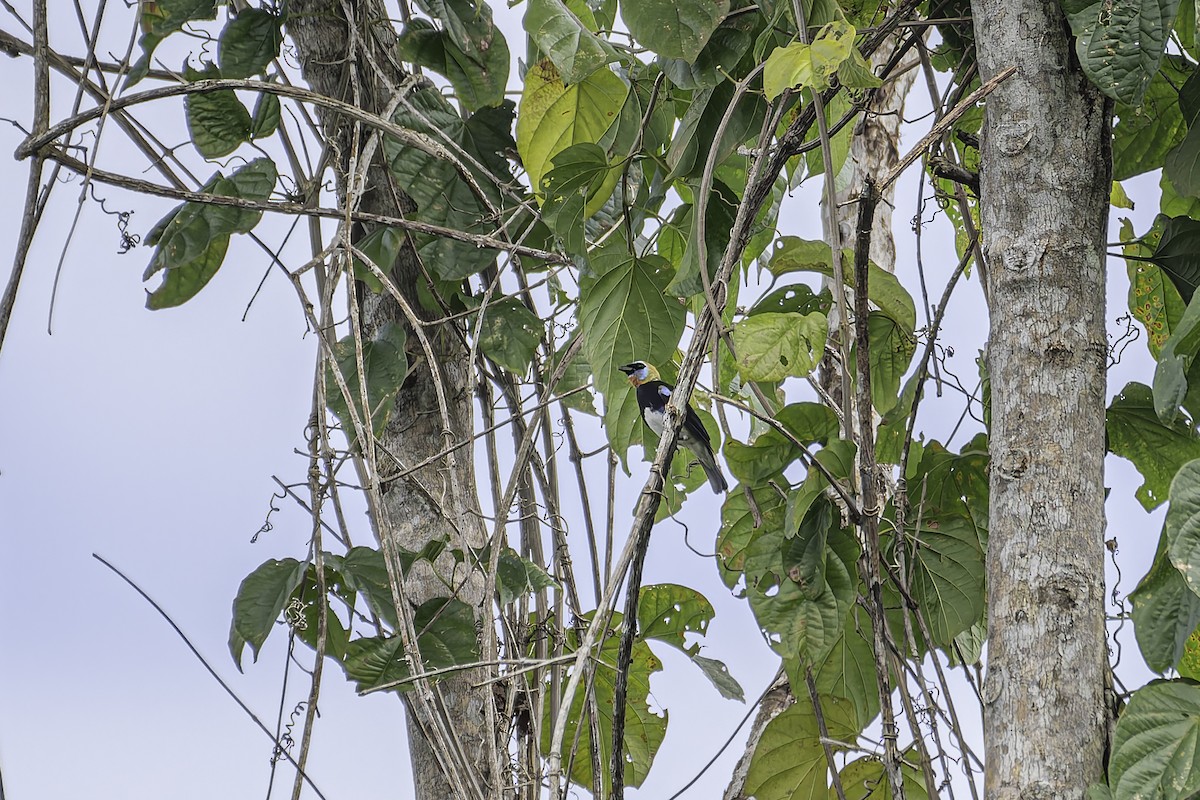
(665, 391)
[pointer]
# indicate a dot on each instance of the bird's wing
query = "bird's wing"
(693, 425)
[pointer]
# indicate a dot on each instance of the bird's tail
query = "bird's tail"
(709, 463)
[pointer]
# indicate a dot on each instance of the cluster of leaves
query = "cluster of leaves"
(1156, 426)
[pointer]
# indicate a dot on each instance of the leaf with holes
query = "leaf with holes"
(674, 28)
(775, 346)
(1120, 42)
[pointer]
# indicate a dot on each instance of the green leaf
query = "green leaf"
(773, 346)
(700, 123)
(855, 72)
(742, 526)
(1165, 612)
(1120, 42)
(804, 553)
(578, 373)
(364, 571)
(1145, 133)
(304, 612)
(864, 778)
(674, 28)
(249, 42)
(160, 19)
(1158, 451)
(1182, 526)
(266, 116)
(890, 352)
(1153, 299)
(218, 121)
(1182, 165)
(798, 621)
(1174, 361)
(386, 365)
(644, 729)
(1178, 253)
(382, 246)
(771, 451)
(796, 298)
(720, 213)
(721, 56)
(578, 186)
(192, 240)
(442, 195)
(789, 761)
(883, 289)
(259, 602)
(848, 671)
(718, 674)
(624, 315)
(446, 637)
(509, 334)
(808, 66)
(477, 75)
(554, 116)
(569, 43)
(668, 612)
(1155, 742)
(947, 562)
(517, 576)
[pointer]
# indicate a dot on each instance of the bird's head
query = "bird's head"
(639, 372)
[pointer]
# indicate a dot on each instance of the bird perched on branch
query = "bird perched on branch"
(652, 397)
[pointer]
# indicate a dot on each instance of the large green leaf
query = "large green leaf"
(644, 729)
(249, 42)
(848, 671)
(808, 66)
(697, 130)
(801, 621)
(771, 451)
(674, 28)
(364, 570)
(721, 56)
(446, 637)
(1178, 253)
(1182, 526)
(191, 241)
(1158, 451)
(577, 186)
(793, 254)
(1174, 362)
(947, 579)
(386, 365)
(218, 121)
(742, 525)
(1155, 743)
(625, 316)
(575, 50)
(517, 576)
(1153, 299)
(891, 350)
(864, 779)
(789, 760)
(554, 116)
(720, 212)
(1165, 612)
(1145, 133)
(478, 75)
(668, 613)
(442, 195)
(259, 602)
(773, 346)
(1120, 42)
(510, 333)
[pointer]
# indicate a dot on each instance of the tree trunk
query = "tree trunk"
(438, 501)
(1045, 186)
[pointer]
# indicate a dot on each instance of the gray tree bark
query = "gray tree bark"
(438, 501)
(1045, 186)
